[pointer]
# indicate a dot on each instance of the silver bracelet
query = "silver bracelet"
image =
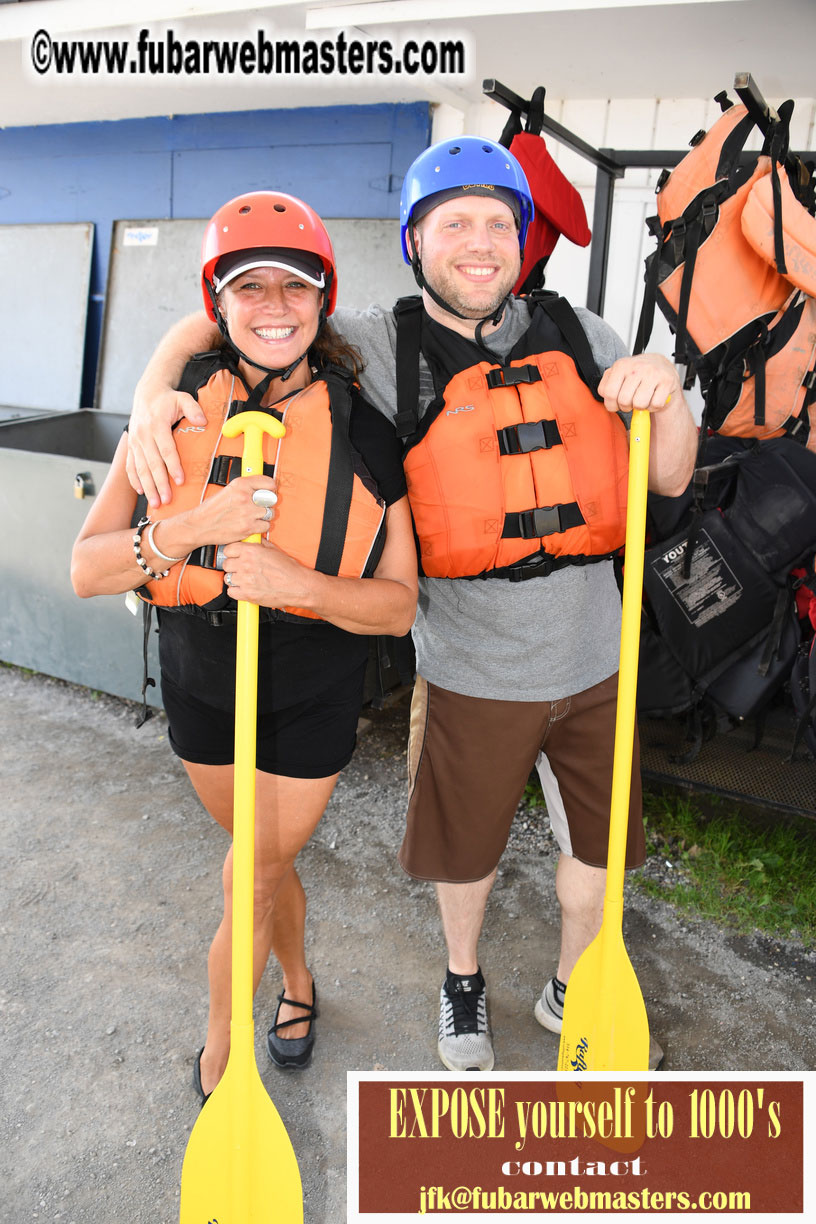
(155, 548)
(137, 548)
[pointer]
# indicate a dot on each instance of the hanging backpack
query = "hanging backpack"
(735, 272)
(559, 208)
(720, 631)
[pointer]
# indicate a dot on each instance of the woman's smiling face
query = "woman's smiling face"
(272, 315)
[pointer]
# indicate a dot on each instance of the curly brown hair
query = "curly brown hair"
(332, 349)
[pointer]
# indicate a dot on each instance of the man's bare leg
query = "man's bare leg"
(464, 1035)
(462, 907)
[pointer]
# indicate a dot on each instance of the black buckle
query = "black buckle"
(511, 376)
(528, 436)
(534, 567)
(226, 468)
(710, 211)
(699, 483)
(223, 470)
(205, 557)
(405, 424)
(543, 521)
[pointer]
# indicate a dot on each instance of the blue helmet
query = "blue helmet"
(468, 161)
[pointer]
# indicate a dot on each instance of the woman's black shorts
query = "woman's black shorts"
(314, 738)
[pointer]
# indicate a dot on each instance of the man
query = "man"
(520, 668)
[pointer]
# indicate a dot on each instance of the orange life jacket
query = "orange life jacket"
(735, 262)
(515, 469)
(326, 516)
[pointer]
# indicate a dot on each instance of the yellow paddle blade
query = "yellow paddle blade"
(605, 1026)
(240, 1167)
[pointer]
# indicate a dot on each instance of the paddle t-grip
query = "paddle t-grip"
(253, 425)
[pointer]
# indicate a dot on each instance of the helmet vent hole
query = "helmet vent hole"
(280, 208)
(456, 149)
(245, 208)
(487, 148)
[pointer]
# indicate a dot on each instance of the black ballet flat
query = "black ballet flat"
(294, 1053)
(205, 1096)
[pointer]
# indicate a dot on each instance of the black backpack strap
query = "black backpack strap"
(776, 146)
(147, 681)
(341, 474)
(782, 607)
(569, 325)
(647, 309)
(807, 717)
(690, 231)
(200, 369)
(408, 315)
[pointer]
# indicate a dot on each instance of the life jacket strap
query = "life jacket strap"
(228, 467)
(569, 325)
(204, 556)
(408, 314)
(540, 565)
(528, 436)
(542, 521)
(147, 680)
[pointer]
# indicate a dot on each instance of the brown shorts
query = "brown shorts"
(469, 760)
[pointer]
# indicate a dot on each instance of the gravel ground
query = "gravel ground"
(111, 895)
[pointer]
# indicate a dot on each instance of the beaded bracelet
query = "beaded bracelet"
(137, 548)
(155, 548)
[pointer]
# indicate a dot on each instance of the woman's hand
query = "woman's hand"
(231, 514)
(386, 603)
(262, 574)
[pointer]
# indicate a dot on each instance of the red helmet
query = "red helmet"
(267, 225)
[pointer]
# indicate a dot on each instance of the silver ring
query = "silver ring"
(264, 497)
(267, 514)
(228, 580)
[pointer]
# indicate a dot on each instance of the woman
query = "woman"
(338, 563)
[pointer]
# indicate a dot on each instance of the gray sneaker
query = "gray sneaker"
(549, 1012)
(549, 1009)
(464, 1034)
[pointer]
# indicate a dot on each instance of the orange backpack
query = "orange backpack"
(735, 273)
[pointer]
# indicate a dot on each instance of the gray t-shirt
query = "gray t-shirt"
(539, 640)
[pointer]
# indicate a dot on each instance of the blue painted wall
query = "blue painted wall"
(346, 161)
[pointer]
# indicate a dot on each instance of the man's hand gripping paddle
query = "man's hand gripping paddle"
(240, 1167)
(605, 1026)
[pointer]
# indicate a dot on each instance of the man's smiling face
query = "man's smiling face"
(470, 255)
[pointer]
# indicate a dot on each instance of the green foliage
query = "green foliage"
(533, 796)
(741, 867)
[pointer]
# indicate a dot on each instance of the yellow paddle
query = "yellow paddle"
(605, 1026)
(240, 1167)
